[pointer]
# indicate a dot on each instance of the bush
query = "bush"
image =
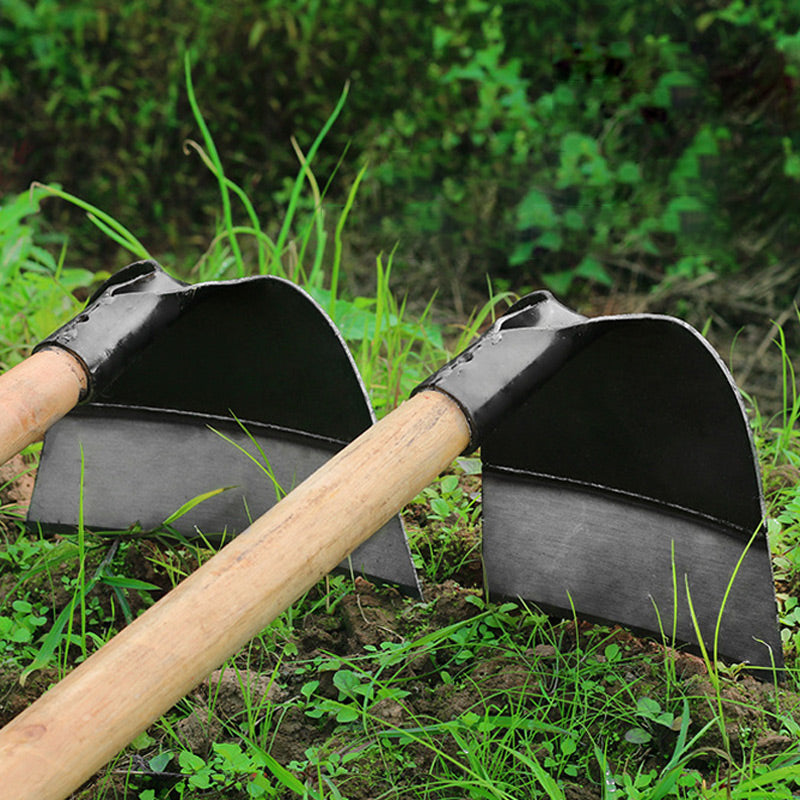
(591, 140)
(565, 143)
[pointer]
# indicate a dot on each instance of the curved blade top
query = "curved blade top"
(638, 404)
(620, 476)
(259, 347)
(171, 365)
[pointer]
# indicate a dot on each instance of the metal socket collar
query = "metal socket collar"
(520, 351)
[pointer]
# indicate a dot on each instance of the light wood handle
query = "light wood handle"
(35, 394)
(82, 722)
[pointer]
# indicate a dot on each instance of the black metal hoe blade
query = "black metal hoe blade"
(619, 458)
(625, 483)
(183, 376)
(620, 479)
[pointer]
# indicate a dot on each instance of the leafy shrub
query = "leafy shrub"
(96, 96)
(591, 140)
(535, 141)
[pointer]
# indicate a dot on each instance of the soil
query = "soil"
(16, 485)
(368, 618)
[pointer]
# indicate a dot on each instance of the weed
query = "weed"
(36, 289)
(21, 626)
(444, 530)
(228, 769)
(778, 443)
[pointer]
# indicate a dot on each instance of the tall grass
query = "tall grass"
(36, 287)
(393, 352)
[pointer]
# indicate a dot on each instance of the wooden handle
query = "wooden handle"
(35, 394)
(82, 722)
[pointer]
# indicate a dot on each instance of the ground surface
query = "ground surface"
(492, 671)
(450, 663)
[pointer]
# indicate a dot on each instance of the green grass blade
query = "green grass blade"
(118, 232)
(263, 465)
(298, 184)
(54, 636)
(773, 778)
(609, 785)
(337, 239)
(124, 582)
(544, 778)
(312, 278)
(190, 504)
(245, 200)
(283, 775)
(215, 160)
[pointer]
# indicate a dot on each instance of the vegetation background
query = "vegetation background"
(583, 145)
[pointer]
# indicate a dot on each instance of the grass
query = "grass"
(778, 443)
(355, 692)
(531, 710)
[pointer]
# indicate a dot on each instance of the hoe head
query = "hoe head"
(242, 385)
(620, 480)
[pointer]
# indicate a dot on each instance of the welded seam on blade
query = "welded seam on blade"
(725, 526)
(119, 410)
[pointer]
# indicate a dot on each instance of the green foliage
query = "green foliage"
(449, 536)
(778, 442)
(114, 77)
(585, 708)
(393, 354)
(20, 627)
(36, 290)
(229, 768)
(650, 713)
(356, 692)
(596, 141)
(565, 144)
